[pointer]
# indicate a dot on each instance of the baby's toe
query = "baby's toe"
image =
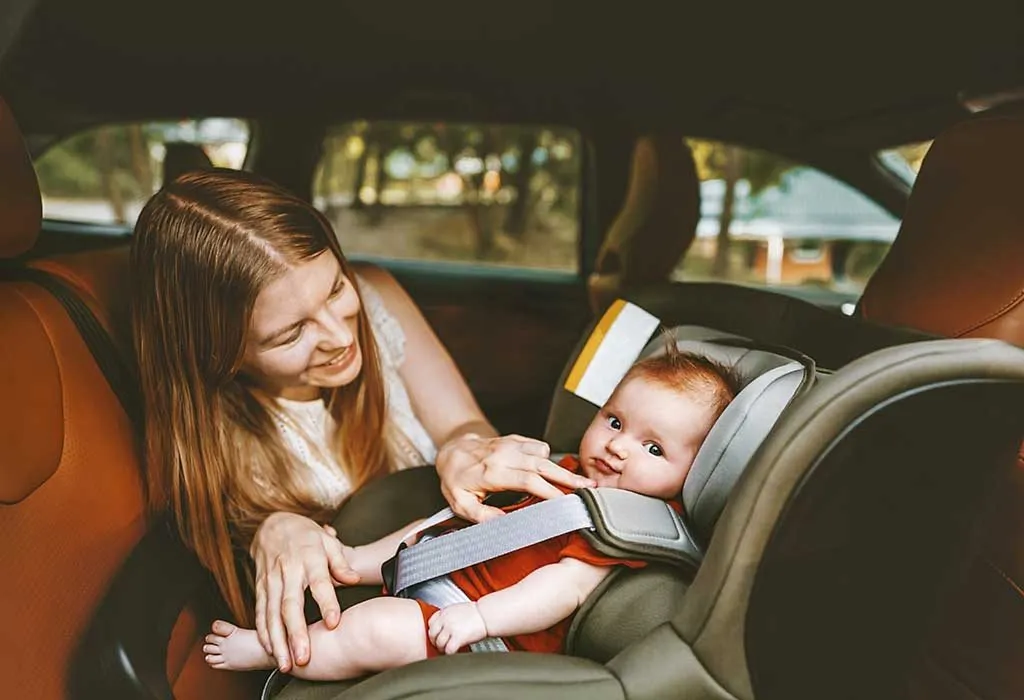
(222, 628)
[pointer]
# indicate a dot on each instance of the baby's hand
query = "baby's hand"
(456, 626)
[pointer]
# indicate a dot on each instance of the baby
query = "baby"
(644, 439)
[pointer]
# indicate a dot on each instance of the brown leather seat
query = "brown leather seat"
(957, 269)
(71, 494)
(657, 223)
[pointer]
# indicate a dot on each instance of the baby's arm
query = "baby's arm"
(541, 600)
(367, 559)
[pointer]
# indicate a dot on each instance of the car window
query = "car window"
(105, 174)
(472, 194)
(769, 221)
(905, 161)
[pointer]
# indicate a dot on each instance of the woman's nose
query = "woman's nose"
(336, 333)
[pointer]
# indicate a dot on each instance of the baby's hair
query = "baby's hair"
(689, 373)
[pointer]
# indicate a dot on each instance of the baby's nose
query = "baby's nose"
(618, 448)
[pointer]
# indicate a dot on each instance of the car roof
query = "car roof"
(865, 75)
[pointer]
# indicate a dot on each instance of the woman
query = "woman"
(276, 381)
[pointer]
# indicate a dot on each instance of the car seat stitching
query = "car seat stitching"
(1006, 307)
(1006, 577)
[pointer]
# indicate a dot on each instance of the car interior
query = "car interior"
(518, 171)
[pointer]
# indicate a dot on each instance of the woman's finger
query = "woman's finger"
(467, 505)
(275, 625)
(261, 616)
(292, 599)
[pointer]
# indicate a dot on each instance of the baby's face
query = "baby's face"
(644, 439)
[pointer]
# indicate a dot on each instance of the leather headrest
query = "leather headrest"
(181, 157)
(955, 267)
(21, 207)
(658, 221)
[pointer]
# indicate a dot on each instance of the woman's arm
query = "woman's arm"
(541, 600)
(471, 461)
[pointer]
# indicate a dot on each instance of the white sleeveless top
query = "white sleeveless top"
(310, 446)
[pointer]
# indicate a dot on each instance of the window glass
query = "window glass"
(905, 161)
(766, 220)
(105, 175)
(467, 193)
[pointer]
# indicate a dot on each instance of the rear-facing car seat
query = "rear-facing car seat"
(826, 564)
(71, 491)
(955, 270)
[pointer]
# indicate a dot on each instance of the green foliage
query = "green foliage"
(760, 168)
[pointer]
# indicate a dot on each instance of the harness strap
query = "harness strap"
(618, 523)
(482, 542)
(442, 592)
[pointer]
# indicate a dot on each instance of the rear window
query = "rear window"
(471, 194)
(104, 175)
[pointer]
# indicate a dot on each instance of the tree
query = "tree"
(721, 161)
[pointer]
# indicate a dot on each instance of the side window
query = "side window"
(106, 174)
(475, 194)
(905, 161)
(768, 221)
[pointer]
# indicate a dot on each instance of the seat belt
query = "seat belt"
(106, 354)
(616, 522)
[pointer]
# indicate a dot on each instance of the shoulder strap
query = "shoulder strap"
(106, 354)
(616, 522)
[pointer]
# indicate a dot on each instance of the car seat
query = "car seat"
(954, 270)
(824, 568)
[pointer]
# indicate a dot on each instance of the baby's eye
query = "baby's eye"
(614, 423)
(655, 449)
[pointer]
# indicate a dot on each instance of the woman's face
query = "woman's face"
(303, 335)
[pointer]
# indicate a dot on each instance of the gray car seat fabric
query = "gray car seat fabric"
(824, 568)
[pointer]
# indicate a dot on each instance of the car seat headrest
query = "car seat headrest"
(657, 223)
(953, 269)
(21, 207)
(766, 384)
(181, 157)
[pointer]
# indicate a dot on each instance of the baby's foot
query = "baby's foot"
(235, 649)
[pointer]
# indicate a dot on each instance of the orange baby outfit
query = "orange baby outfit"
(502, 572)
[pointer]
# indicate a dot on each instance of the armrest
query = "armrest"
(123, 653)
(473, 676)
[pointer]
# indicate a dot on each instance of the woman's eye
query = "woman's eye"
(337, 289)
(655, 449)
(291, 337)
(614, 423)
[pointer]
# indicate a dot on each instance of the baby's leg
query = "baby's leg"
(375, 635)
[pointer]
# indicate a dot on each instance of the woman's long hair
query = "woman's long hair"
(204, 247)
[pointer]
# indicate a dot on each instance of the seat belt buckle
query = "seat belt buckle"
(389, 570)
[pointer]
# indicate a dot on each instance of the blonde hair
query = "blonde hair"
(204, 247)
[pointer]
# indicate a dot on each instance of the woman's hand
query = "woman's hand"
(292, 553)
(471, 466)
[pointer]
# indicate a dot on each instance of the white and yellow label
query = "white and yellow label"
(612, 348)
